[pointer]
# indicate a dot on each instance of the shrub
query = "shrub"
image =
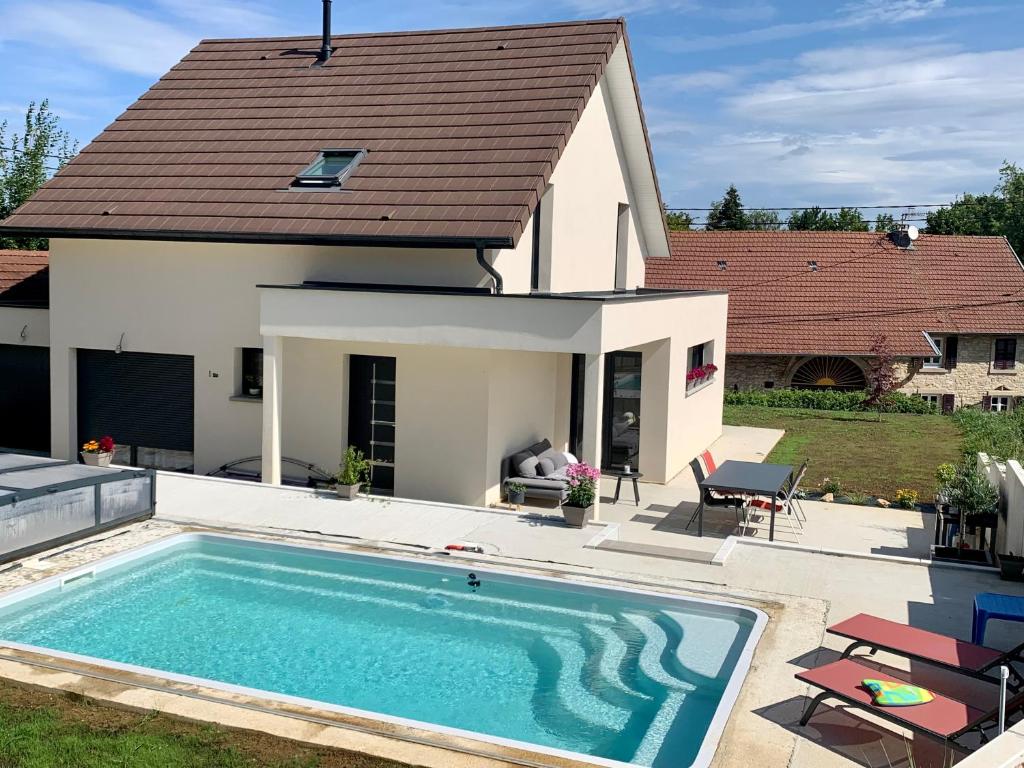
(971, 492)
(858, 498)
(829, 485)
(906, 498)
(354, 468)
(827, 400)
(1000, 435)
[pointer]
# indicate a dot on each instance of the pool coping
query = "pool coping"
(703, 759)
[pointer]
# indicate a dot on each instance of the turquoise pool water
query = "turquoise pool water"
(614, 675)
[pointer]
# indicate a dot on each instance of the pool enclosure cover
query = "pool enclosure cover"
(48, 502)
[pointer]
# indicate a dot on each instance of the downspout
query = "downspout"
(499, 285)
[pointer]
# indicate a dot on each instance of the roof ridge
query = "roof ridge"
(416, 32)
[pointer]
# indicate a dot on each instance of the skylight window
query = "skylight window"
(330, 169)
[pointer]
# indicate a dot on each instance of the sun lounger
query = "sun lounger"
(879, 634)
(943, 717)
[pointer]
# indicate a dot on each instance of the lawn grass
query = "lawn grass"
(46, 730)
(866, 455)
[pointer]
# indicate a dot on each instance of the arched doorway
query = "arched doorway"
(829, 373)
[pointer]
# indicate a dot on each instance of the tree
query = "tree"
(25, 160)
(813, 219)
(881, 374)
(850, 220)
(998, 213)
(678, 221)
(762, 218)
(727, 213)
(885, 223)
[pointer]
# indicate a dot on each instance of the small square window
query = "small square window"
(252, 372)
(330, 169)
(935, 400)
(1005, 354)
(1001, 403)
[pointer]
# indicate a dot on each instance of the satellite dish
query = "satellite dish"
(912, 232)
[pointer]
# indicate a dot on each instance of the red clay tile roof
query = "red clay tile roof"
(24, 278)
(864, 285)
(463, 128)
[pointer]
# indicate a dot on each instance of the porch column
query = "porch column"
(593, 411)
(271, 454)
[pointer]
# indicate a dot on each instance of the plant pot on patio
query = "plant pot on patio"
(101, 459)
(347, 491)
(577, 517)
(1011, 567)
(515, 493)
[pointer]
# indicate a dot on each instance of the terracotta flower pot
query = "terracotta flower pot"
(100, 459)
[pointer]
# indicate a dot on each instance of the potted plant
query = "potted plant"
(352, 473)
(98, 453)
(579, 506)
(972, 495)
(515, 492)
(253, 385)
(945, 474)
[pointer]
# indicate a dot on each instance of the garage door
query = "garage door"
(144, 401)
(25, 398)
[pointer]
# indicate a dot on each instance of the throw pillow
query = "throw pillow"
(559, 458)
(570, 458)
(538, 448)
(888, 693)
(525, 464)
(545, 466)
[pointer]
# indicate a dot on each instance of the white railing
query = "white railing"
(1008, 477)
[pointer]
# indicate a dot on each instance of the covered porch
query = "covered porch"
(472, 377)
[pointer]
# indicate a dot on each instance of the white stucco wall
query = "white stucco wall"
(35, 323)
(589, 182)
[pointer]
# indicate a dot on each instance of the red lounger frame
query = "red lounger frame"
(879, 634)
(944, 718)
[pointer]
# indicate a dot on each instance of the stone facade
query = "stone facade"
(969, 382)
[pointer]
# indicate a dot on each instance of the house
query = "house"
(805, 309)
(24, 358)
(424, 244)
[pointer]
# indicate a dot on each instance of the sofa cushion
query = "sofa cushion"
(525, 463)
(538, 448)
(549, 461)
(560, 459)
(543, 483)
(570, 458)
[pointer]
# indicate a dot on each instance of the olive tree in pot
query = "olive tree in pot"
(578, 508)
(977, 501)
(352, 473)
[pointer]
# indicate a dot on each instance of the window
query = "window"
(1005, 357)
(535, 251)
(700, 368)
(330, 169)
(1001, 403)
(696, 356)
(936, 361)
(935, 400)
(252, 372)
(622, 248)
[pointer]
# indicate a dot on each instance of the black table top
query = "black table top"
(749, 477)
(620, 473)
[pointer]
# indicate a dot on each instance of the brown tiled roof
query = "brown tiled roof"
(864, 286)
(24, 278)
(462, 127)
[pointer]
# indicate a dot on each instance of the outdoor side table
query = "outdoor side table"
(619, 477)
(990, 605)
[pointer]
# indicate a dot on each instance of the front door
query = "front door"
(622, 410)
(371, 416)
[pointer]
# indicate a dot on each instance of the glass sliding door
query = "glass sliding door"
(371, 417)
(622, 410)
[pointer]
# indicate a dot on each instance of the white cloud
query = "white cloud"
(703, 80)
(233, 18)
(106, 34)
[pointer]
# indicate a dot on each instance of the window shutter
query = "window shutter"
(986, 403)
(952, 346)
(1005, 357)
(948, 403)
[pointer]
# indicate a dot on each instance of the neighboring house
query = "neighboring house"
(420, 245)
(24, 359)
(806, 307)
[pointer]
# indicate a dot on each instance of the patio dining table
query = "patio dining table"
(752, 478)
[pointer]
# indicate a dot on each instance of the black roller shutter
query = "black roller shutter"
(137, 398)
(25, 398)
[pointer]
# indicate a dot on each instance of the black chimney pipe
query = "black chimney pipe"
(325, 47)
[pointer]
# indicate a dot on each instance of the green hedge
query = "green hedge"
(1000, 435)
(826, 400)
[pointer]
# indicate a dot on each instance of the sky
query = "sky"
(796, 102)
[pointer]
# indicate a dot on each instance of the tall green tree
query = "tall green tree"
(885, 223)
(851, 220)
(26, 160)
(998, 213)
(812, 219)
(728, 212)
(762, 218)
(678, 221)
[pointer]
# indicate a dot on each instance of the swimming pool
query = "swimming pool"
(608, 675)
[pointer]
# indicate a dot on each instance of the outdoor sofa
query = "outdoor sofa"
(540, 469)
